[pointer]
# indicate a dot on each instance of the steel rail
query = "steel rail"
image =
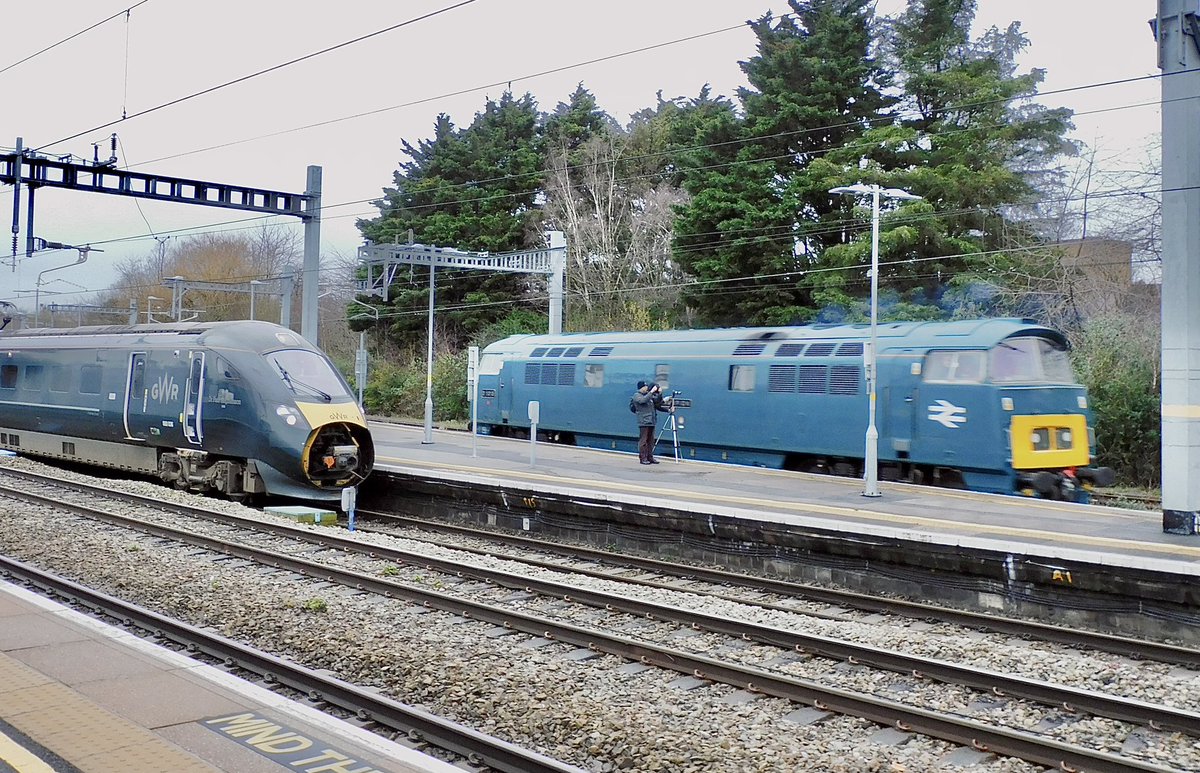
(364, 703)
(1031, 747)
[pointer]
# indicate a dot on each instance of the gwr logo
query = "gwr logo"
(165, 390)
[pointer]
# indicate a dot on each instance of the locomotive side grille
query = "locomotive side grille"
(746, 350)
(844, 379)
(538, 352)
(782, 378)
(819, 350)
(574, 351)
(789, 350)
(811, 379)
(854, 349)
(600, 351)
(550, 373)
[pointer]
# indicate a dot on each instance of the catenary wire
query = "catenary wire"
(71, 37)
(270, 69)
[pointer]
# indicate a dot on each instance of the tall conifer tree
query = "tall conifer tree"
(472, 189)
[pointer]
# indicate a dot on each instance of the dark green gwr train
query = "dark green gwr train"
(232, 408)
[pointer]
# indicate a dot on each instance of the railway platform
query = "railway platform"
(79, 696)
(1101, 566)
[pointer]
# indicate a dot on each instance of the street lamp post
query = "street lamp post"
(871, 462)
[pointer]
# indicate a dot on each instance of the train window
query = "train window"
(955, 366)
(89, 380)
(60, 379)
(1023, 360)
(307, 372)
(741, 378)
(662, 376)
(593, 375)
(226, 371)
(1056, 363)
(34, 378)
(8, 376)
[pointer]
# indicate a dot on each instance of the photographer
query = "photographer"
(645, 402)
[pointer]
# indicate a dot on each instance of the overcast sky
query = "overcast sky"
(405, 77)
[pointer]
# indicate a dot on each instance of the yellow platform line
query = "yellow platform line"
(850, 512)
(19, 758)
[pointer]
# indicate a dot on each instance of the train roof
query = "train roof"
(975, 333)
(252, 335)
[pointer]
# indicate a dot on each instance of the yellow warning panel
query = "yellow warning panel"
(1049, 442)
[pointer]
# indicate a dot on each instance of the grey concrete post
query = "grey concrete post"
(1179, 58)
(558, 269)
(309, 316)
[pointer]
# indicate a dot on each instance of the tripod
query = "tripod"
(672, 425)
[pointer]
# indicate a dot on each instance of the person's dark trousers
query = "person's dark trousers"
(646, 444)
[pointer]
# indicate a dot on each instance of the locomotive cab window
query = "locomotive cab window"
(955, 366)
(593, 375)
(8, 376)
(1030, 360)
(307, 373)
(741, 378)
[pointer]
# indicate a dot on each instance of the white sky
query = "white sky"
(171, 49)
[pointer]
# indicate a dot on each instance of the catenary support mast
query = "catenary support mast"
(1177, 29)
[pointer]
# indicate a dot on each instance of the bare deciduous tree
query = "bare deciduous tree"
(619, 228)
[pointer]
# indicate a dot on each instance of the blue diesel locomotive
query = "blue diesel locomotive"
(989, 405)
(232, 408)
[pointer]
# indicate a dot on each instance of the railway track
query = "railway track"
(780, 594)
(1129, 500)
(318, 688)
(381, 562)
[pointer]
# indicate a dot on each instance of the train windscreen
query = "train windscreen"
(307, 372)
(1030, 360)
